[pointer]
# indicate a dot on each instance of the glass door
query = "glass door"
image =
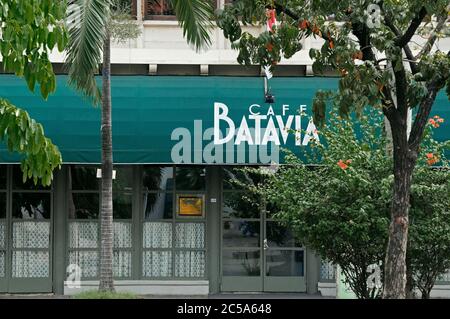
(241, 245)
(284, 259)
(258, 252)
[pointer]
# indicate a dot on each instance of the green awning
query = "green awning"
(151, 113)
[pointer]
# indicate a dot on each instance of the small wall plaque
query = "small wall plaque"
(190, 205)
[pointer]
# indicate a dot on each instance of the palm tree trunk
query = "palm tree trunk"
(106, 254)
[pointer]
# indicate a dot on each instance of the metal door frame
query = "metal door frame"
(280, 283)
(261, 283)
(4, 281)
(25, 285)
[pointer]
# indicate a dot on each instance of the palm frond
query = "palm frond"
(195, 17)
(87, 31)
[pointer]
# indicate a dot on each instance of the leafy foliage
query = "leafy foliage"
(195, 18)
(364, 81)
(122, 26)
(87, 33)
(429, 243)
(30, 29)
(23, 135)
(341, 208)
(91, 21)
(370, 45)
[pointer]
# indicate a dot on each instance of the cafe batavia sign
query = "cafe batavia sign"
(192, 120)
(256, 137)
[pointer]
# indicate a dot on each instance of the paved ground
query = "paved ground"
(246, 296)
(32, 296)
(215, 296)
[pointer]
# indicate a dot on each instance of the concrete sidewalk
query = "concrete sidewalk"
(182, 297)
(246, 296)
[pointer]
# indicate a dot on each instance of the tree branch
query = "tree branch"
(361, 31)
(389, 109)
(418, 127)
(287, 11)
(411, 59)
(405, 38)
(390, 112)
(430, 43)
(407, 50)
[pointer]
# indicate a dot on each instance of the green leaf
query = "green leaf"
(51, 41)
(84, 49)
(195, 18)
(27, 137)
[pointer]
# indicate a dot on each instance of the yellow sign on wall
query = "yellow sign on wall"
(190, 205)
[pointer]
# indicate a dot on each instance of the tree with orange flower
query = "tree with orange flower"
(379, 65)
(341, 207)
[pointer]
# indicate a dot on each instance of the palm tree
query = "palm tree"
(89, 46)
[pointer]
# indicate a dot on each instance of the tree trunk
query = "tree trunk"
(410, 287)
(106, 256)
(426, 293)
(395, 265)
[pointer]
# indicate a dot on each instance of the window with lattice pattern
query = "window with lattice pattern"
(173, 245)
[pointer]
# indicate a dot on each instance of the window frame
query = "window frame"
(97, 221)
(174, 221)
(150, 17)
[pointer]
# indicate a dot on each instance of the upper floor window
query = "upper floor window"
(158, 9)
(127, 6)
(162, 9)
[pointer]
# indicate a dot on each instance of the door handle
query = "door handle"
(266, 245)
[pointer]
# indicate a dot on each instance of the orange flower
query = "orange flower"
(269, 47)
(342, 165)
(431, 159)
(330, 40)
(438, 119)
(433, 123)
(316, 30)
(358, 55)
(304, 24)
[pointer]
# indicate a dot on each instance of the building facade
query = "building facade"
(181, 225)
(177, 230)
